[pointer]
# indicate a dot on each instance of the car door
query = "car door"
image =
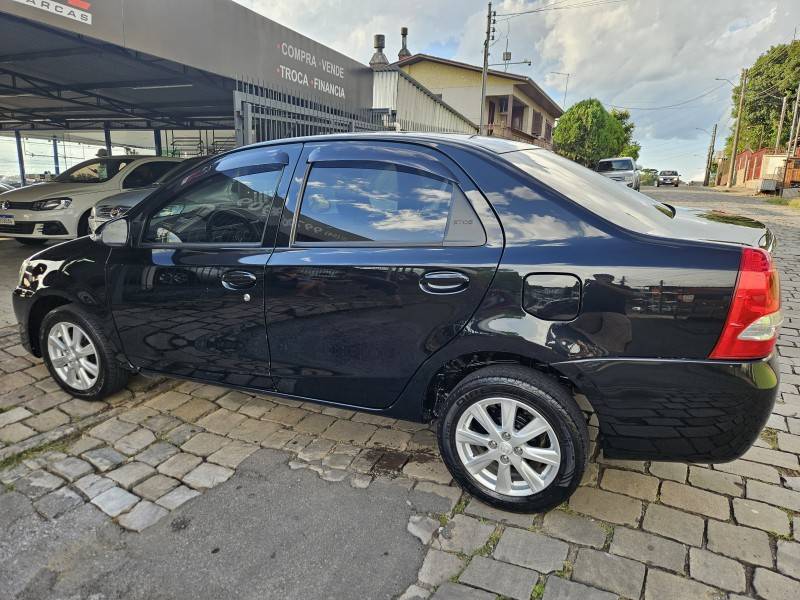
(380, 260)
(188, 294)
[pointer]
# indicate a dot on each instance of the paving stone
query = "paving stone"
(45, 402)
(206, 476)
(314, 423)
(160, 424)
(47, 421)
(298, 442)
(70, 468)
(142, 516)
(37, 483)
(630, 484)
(751, 470)
(339, 413)
(439, 567)
(789, 558)
(463, 534)
(695, 500)
(232, 454)
(796, 527)
(629, 465)
(135, 442)
(669, 470)
(16, 432)
(390, 438)
(771, 457)
(423, 440)
(429, 469)
(742, 543)
(234, 400)
(104, 458)
(221, 421)
(93, 485)
(155, 487)
(476, 508)
(112, 430)
(773, 586)
(350, 432)
(432, 497)
(366, 460)
(773, 494)
(179, 465)
(392, 461)
(661, 585)
(138, 414)
(716, 481)
(316, 450)
(337, 461)
(574, 528)
(613, 573)
(168, 401)
(84, 444)
(649, 549)
(500, 578)
(561, 589)
(422, 527)
(414, 592)
(115, 501)
(278, 439)
(157, 453)
(194, 409)
(606, 506)
(177, 497)
(287, 415)
(531, 550)
(205, 444)
(14, 415)
(130, 474)
(788, 442)
(181, 434)
(454, 591)
(55, 504)
(253, 430)
(761, 516)
(716, 570)
(80, 409)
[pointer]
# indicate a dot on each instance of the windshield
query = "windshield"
(180, 169)
(97, 170)
(623, 164)
(669, 173)
(604, 197)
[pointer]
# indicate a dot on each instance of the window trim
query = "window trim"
(146, 217)
(293, 243)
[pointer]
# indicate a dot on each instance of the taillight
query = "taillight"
(754, 317)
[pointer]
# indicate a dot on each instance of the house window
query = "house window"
(548, 132)
(536, 128)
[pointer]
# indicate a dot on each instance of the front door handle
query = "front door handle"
(238, 280)
(444, 282)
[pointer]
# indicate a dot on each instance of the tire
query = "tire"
(83, 224)
(31, 241)
(528, 390)
(110, 376)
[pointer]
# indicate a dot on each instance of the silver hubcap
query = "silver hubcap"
(73, 355)
(507, 447)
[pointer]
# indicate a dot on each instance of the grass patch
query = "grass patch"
(538, 590)
(57, 446)
(442, 520)
(770, 436)
(491, 543)
(461, 506)
(565, 572)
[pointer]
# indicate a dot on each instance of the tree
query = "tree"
(631, 147)
(775, 74)
(587, 132)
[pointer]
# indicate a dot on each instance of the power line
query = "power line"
(553, 6)
(675, 105)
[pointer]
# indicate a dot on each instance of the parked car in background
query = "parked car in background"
(118, 205)
(474, 281)
(59, 209)
(622, 169)
(667, 178)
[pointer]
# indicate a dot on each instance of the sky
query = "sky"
(642, 54)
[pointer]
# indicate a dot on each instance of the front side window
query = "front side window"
(98, 170)
(383, 204)
(223, 209)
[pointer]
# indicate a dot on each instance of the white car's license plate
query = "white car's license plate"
(6, 219)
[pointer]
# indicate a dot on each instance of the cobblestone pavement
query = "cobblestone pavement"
(633, 529)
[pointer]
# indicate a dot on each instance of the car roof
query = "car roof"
(615, 158)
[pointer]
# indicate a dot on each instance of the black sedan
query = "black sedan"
(476, 281)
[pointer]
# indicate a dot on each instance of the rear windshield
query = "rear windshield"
(622, 164)
(601, 195)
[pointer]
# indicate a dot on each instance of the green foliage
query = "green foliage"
(648, 177)
(631, 147)
(775, 74)
(587, 132)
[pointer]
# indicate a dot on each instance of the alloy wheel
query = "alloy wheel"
(73, 355)
(507, 446)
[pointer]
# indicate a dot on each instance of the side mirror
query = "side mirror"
(113, 234)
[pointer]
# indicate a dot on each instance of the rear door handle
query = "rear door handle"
(444, 282)
(238, 280)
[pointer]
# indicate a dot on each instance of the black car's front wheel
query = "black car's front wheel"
(514, 438)
(78, 354)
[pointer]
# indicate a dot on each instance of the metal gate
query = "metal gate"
(266, 113)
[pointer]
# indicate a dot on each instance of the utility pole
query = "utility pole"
(791, 144)
(710, 156)
(732, 170)
(485, 73)
(780, 124)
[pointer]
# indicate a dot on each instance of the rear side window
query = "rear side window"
(148, 173)
(384, 204)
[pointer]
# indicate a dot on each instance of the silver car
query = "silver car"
(623, 169)
(117, 205)
(667, 178)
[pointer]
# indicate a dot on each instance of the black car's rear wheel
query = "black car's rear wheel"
(78, 355)
(514, 438)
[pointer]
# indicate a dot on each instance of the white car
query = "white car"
(59, 209)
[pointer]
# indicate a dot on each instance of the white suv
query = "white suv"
(59, 209)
